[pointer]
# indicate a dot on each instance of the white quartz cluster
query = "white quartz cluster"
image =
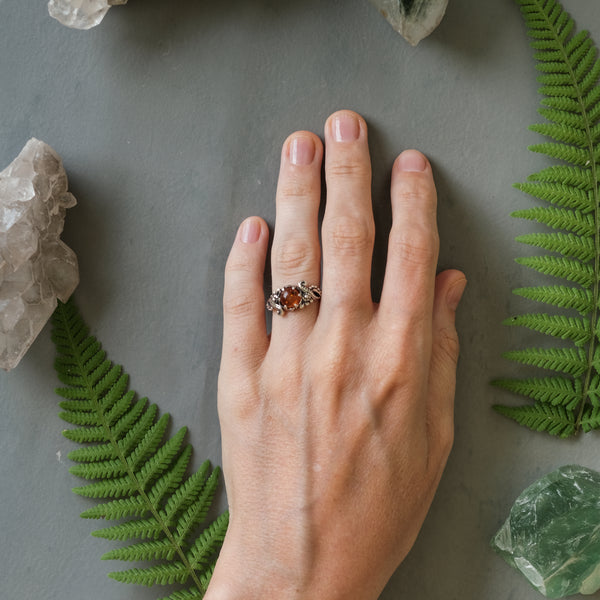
(413, 19)
(36, 267)
(81, 14)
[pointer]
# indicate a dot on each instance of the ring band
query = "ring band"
(293, 297)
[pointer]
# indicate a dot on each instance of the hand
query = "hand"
(337, 427)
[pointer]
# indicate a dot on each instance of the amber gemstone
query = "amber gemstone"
(290, 298)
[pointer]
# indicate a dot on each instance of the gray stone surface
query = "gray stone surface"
(184, 105)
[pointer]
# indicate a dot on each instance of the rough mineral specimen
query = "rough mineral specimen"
(36, 267)
(81, 14)
(413, 19)
(552, 534)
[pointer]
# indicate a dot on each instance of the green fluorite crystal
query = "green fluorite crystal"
(552, 534)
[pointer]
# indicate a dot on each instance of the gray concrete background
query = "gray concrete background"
(169, 118)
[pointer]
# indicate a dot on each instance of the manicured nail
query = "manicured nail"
(346, 127)
(411, 160)
(302, 151)
(455, 293)
(250, 230)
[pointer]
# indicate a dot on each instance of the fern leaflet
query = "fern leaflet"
(568, 401)
(143, 476)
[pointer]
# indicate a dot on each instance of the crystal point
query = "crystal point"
(552, 535)
(80, 14)
(413, 19)
(36, 267)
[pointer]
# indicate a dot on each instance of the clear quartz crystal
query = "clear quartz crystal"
(413, 19)
(36, 267)
(80, 14)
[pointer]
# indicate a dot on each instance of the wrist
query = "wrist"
(251, 577)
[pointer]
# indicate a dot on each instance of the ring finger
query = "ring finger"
(296, 254)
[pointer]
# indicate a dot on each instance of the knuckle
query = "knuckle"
(238, 264)
(350, 235)
(294, 256)
(416, 247)
(235, 269)
(281, 382)
(448, 346)
(329, 367)
(353, 169)
(330, 379)
(385, 391)
(296, 188)
(238, 303)
(395, 377)
(239, 408)
(416, 190)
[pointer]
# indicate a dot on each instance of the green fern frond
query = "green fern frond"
(174, 572)
(570, 154)
(567, 195)
(563, 268)
(590, 419)
(162, 549)
(559, 218)
(560, 295)
(557, 391)
(144, 529)
(168, 484)
(570, 73)
(208, 542)
(142, 475)
(568, 244)
(109, 488)
(93, 453)
(85, 435)
(564, 360)
(197, 511)
(186, 494)
(562, 133)
(541, 417)
(129, 433)
(593, 393)
(565, 328)
(118, 509)
(191, 594)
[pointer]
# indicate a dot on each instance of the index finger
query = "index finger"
(413, 246)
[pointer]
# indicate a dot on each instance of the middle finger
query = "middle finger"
(348, 228)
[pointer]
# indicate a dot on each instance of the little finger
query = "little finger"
(244, 329)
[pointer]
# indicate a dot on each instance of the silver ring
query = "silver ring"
(293, 297)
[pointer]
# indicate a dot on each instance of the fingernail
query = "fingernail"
(455, 294)
(411, 160)
(302, 151)
(346, 127)
(250, 230)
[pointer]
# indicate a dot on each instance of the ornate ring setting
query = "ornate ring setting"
(293, 297)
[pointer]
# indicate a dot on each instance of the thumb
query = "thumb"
(449, 288)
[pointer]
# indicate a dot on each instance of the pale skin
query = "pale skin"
(336, 428)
